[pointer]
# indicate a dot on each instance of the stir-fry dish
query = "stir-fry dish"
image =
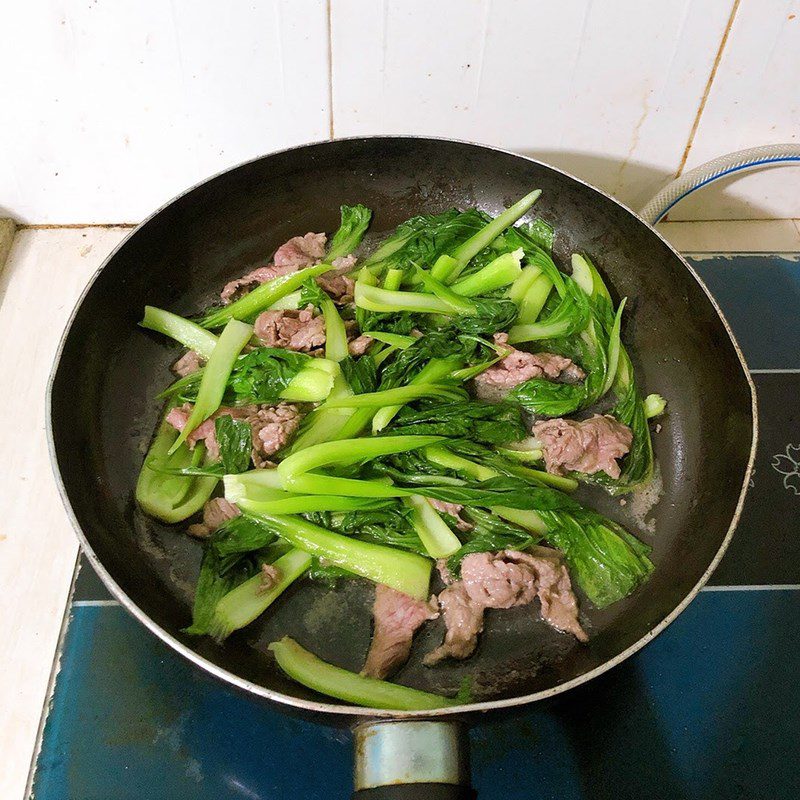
(416, 416)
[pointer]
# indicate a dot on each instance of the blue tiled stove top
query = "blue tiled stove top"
(710, 709)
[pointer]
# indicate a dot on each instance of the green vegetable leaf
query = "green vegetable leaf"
(262, 374)
(603, 558)
(235, 440)
(354, 224)
(491, 423)
(241, 534)
(360, 373)
(311, 292)
(548, 398)
(212, 586)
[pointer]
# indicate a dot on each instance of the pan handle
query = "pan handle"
(411, 760)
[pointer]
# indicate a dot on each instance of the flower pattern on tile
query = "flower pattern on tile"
(788, 465)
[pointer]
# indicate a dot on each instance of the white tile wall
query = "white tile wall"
(754, 100)
(605, 90)
(113, 106)
(110, 107)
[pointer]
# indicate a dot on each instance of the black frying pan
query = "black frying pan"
(102, 414)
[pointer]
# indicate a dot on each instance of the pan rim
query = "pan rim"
(359, 711)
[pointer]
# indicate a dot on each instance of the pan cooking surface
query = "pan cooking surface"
(103, 412)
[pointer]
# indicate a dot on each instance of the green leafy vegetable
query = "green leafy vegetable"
(215, 377)
(270, 374)
(241, 534)
(188, 333)
(424, 238)
(570, 316)
(501, 272)
(212, 586)
(335, 331)
(171, 497)
(247, 601)
(247, 308)
(354, 224)
(404, 571)
(435, 535)
(235, 439)
(361, 374)
(548, 398)
(464, 252)
(490, 423)
(654, 405)
(310, 671)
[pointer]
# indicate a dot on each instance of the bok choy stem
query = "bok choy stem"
(349, 451)
(436, 369)
(373, 298)
(262, 297)
(170, 498)
(534, 299)
(399, 395)
(504, 270)
(248, 600)
(437, 537)
(188, 333)
(484, 237)
(215, 377)
(308, 670)
(402, 570)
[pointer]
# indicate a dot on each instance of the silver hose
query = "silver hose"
(694, 179)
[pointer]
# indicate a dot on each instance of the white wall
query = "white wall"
(110, 107)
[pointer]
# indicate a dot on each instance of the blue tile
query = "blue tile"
(708, 710)
(760, 295)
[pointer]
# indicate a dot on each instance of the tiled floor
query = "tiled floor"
(706, 711)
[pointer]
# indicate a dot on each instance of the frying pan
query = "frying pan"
(102, 414)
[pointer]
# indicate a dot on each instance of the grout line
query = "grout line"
(330, 70)
(774, 371)
(794, 220)
(756, 587)
(56, 226)
(728, 253)
(82, 603)
(707, 92)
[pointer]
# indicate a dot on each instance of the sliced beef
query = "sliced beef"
(397, 618)
(297, 330)
(205, 431)
(235, 289)
(359, 345)
(301, 251)
(463, 618)
(272, 427)
(518, 366)
(344, 264)
(304, 331)
(592, 445)
(298, 252)
(338, 284)
(270, 575)
(454, 510)
(187, 364)
(215, 512)
(505, 579)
